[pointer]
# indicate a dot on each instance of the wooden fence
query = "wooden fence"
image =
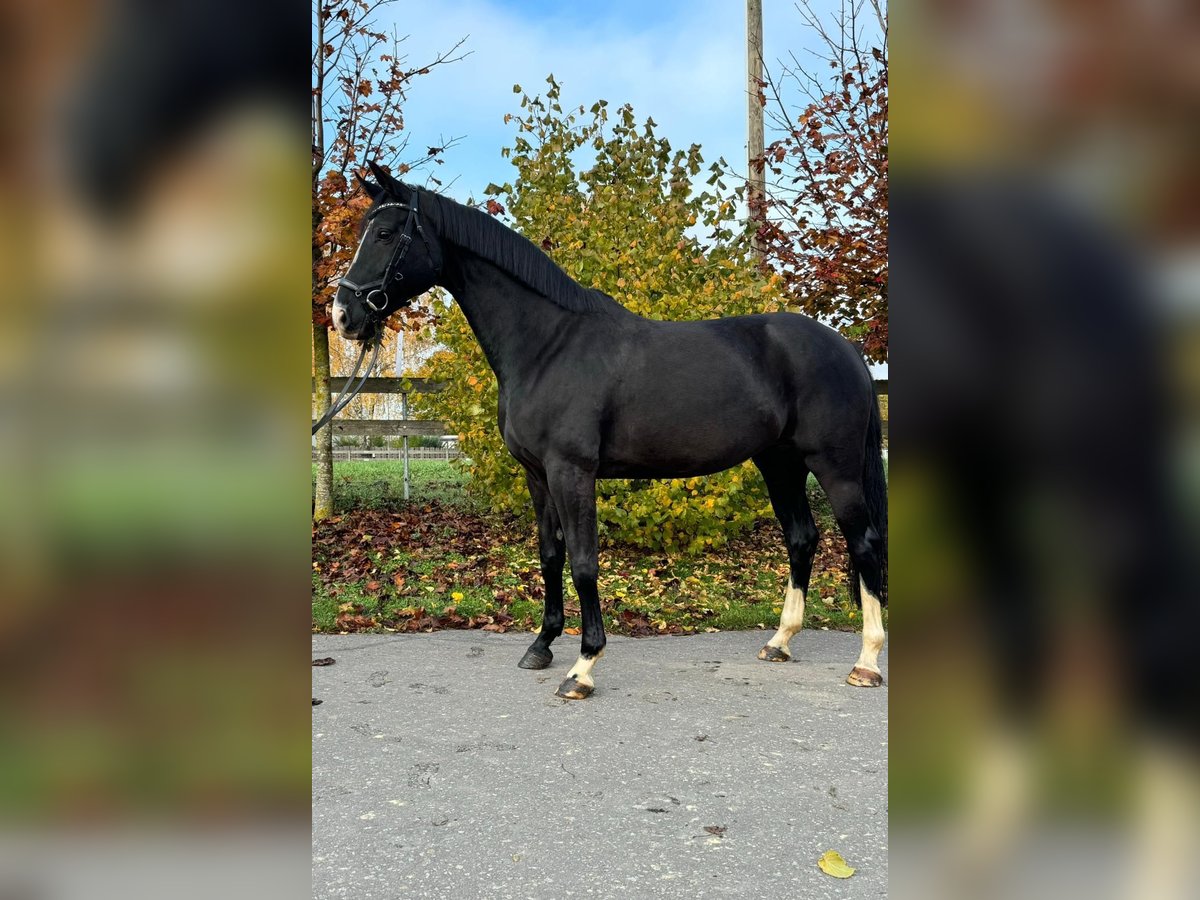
(350, 454)
(403, 428)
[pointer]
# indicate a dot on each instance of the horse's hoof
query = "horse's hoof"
(774, 654)
(573, 690)
(535, 658)
(860, 677)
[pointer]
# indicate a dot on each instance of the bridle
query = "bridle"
(391, 273)
(378, 288)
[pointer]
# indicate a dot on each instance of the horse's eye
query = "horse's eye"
(384, 234)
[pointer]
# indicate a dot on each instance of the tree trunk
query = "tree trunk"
(323, 491)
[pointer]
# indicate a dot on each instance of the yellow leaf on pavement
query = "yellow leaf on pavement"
(831, 863)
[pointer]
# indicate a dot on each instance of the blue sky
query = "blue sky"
(680, 61)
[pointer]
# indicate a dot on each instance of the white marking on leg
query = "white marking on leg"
(1162, 862)
(582, 670)
(997, 809)
(791, 619)
(873, 634)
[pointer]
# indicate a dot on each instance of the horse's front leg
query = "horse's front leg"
(574, 493)
(552, 549)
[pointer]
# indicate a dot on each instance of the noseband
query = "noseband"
(378, 288)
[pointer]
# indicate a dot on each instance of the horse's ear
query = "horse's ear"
(378, 172)
(399, 191)
(373, 190)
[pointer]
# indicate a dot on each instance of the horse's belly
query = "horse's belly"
(683, 469)
(654, 448)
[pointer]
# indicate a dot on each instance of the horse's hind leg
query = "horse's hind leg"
(866, 546)
(785, 475)
(552, 549)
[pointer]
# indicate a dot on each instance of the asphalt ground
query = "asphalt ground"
(440, 769)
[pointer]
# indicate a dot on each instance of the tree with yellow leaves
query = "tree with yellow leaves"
(630, 224)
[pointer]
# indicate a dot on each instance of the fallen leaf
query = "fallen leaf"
(571, 631)
(831, 863)
(718, 830)
(324, 661)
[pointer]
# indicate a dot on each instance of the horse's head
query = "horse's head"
(399, 257)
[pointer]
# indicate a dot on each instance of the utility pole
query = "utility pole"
(756, 184)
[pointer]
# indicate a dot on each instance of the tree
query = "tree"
(629, 223)
(359, 83)
(825, 229)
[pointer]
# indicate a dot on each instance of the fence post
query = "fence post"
(404, 414)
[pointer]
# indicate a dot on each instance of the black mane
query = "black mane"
(519, 257)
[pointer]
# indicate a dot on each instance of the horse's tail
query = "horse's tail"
(875, 490)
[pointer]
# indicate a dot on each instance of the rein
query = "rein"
(347, 394)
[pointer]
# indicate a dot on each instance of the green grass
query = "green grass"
(377, 483)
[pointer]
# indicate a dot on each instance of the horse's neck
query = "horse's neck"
(512, 323)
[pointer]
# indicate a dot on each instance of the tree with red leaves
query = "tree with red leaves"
(824, 221)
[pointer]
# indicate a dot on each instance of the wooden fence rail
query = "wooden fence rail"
(390, 427)
(405, 427)
(389, 385)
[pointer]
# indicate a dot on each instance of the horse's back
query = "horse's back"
(789, 356)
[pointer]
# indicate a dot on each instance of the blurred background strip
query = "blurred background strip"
(153, 536)
(1046, 247)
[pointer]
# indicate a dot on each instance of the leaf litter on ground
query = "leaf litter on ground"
(409, 567)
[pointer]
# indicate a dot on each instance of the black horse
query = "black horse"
(590, 390)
